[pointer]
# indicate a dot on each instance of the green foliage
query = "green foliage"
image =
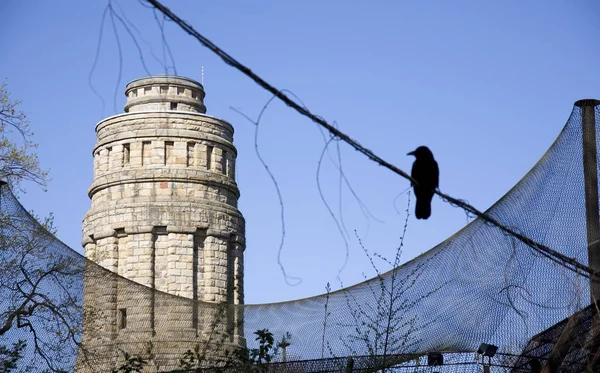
(250, 360)
(285, 341)
(10, 356)
(18, 159)
(257, 359)
(192, 359)
(264, 353)
(283, 344)
(132, 364)
(23, 253)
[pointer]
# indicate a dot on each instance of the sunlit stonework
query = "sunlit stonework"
(163, 215)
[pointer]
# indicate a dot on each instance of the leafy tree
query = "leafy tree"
(18, 159)
(10, 356)
(38, 281)
(264, 353)
(283, 344)
(192, 358)
(249, 360)
(257, 359)
(131, 364)
(39, 286)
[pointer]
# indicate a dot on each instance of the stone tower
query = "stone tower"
(164, 215)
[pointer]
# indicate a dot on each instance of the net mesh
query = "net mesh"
(480, 285)
(580, 356)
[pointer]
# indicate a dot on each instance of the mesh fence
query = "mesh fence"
(478, 286)
(579, 354)
(453, 362)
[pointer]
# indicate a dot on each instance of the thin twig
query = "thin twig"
(545, 251)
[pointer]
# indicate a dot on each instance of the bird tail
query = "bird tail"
(423, 208)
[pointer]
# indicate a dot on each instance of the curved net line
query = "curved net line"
(480, 285)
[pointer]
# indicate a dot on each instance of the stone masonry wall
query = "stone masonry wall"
(164, 217)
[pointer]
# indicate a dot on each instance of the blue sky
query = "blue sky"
(486, 85)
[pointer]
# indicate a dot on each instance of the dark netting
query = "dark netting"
(571, 344)
(453, 362)
(478, 286)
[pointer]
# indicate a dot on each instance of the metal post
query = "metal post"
(349, 365)
(590, 174)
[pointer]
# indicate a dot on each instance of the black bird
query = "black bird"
(426, 173)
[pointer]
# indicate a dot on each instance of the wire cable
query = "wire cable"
(545, 251)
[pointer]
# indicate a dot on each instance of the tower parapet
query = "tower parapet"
(164, 215)
(165, 92)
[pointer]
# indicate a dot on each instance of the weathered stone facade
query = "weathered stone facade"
(164, 215)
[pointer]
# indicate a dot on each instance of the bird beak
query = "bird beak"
(411, 153)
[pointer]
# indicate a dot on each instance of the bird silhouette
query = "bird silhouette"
(426, 173)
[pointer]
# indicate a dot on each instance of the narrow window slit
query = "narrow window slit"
(122, 322)
(190, 154)
(169, 145)
(209, 151)
(126, 154)
(109, 157)
(224, 162)
(146, 152)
